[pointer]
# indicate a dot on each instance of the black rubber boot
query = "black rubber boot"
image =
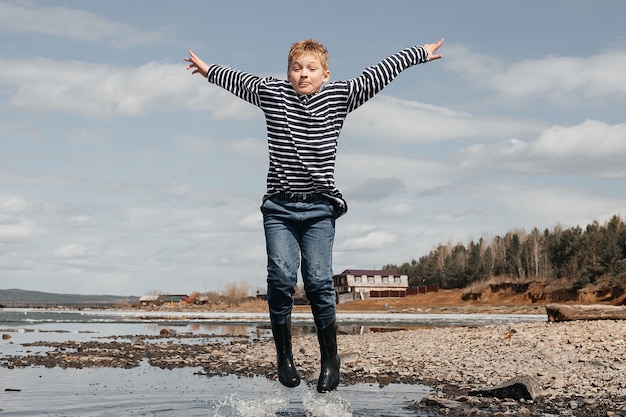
(329, 375)
(287, 373)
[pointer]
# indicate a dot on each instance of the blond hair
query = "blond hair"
(308, 46)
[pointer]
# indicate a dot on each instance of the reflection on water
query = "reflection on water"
(148, 391)
(251, 325)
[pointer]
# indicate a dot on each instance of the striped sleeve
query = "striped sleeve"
(241, 84)
(375, 78)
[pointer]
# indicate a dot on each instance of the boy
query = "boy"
(304, 116)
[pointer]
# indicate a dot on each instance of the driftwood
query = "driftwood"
(565, 312)
(523, 387)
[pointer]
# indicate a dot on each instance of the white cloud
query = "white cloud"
(15, 223)
(590, 148)
(70, 23)
(13, 205)
(252, 221)
(102, 91)
(591, 139)
(12, 229)
(369, 240)
(387, 118)
(564, 80)
(71, 250)
(396, 210)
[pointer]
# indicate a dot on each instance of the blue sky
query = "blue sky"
(121, 173)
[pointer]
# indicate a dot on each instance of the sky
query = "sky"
(122, 173)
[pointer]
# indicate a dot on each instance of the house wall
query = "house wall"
(351, 296)
(362, 286)
(375, 282)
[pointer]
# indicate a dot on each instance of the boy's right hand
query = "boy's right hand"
(198, 65)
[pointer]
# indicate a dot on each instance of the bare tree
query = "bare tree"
(236, 292)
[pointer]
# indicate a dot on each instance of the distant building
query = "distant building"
(173, 299)
(354, 284)
(201, 299)
(155, 300)
(148, 300)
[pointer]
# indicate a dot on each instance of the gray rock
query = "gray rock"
(524, 387)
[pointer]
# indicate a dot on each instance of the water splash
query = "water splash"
(278, 402)
(325, 405)
(264, 406)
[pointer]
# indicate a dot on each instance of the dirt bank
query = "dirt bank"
(519, 298)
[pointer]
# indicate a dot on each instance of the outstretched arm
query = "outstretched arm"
(431, 48)
(375, 78)
(198, 65)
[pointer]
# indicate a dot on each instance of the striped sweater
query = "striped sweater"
(302, 131)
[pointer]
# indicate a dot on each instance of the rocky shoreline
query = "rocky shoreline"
(579, 367)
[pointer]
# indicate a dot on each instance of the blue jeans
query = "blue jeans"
(294, 232)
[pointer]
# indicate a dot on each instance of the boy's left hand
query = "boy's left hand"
(431, 48)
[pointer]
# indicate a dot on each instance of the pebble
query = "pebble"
(579, 366)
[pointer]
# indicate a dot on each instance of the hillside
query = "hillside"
(10, 296)
(489, 297)
(528, 297)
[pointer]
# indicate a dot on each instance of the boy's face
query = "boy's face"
(306, 74)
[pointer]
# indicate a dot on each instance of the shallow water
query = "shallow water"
(197, 321)
(148, 391)
(151, 391)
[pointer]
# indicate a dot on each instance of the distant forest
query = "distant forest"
(574, 255)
